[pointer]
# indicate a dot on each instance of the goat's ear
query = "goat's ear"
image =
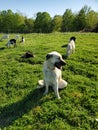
(48, 56)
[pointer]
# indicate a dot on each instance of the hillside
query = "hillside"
(23, 107)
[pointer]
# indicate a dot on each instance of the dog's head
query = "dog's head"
(73, 38)
(55, 59)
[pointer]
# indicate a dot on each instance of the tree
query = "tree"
(5, 22)
(56, 23)
(80, 20)
(42, 22)
(67, 23)
(10, 22)
(28, 26)
(18, 21)
(91, 20)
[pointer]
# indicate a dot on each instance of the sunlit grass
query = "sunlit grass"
(22, 106)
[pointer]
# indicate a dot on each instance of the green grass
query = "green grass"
(23, 107)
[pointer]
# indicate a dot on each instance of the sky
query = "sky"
(30, 8)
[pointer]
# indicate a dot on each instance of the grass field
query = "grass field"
(23, 107)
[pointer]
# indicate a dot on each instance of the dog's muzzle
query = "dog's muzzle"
(60, 64)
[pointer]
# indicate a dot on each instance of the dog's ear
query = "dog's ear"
(73, 38)
(48, 56)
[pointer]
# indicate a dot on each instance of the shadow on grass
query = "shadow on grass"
(2, 48)
(10, 113)
(64, 46)
(29, 61)
(64, 56)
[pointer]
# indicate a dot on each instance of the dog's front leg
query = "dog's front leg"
(73, 51)
(8, 44)
(46, 89)
(56, 90)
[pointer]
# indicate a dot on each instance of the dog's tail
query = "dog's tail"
(40, 84)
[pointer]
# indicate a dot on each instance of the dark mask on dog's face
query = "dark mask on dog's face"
(56, 60)
(60, 64)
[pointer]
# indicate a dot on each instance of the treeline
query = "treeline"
(84, 20)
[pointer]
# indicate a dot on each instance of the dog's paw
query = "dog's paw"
(41, 82)
(59, 97)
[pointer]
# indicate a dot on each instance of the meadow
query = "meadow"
(23, 106)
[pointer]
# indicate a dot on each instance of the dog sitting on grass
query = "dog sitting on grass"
(11, 42)
(52, 73)
(71, 46)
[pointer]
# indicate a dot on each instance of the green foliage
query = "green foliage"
(23, 107)
(84, 20)
(56, 23)
(67, 22)
(42, 23)
(91, 19)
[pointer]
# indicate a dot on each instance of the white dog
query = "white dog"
(52, 73)
(71, 46)
(4, 37)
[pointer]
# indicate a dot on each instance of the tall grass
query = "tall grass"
(22, 106)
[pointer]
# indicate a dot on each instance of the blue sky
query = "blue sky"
(53, 7)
